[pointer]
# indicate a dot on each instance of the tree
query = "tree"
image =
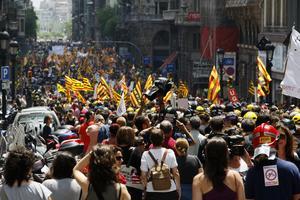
(30, 23)
(68, 29)
(108, 20)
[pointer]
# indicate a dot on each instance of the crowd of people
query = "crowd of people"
(206, 151)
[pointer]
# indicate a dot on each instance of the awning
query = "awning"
(169, 59)
(239, 3)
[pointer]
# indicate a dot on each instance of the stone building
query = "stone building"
(12, 17)
(255, 19)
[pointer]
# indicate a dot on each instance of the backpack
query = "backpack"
(160, 173)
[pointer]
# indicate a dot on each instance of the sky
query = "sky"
(36, 3)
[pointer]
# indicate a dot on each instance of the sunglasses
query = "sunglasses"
(282, 137)
(119, 158)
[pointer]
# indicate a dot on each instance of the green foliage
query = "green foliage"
(68, 29)
(108, 20)
(30, 23)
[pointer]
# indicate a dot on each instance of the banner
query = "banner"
(232, 95)
(291, 83)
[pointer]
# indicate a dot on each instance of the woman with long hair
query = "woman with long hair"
(101, 182)
(61, 183)
(217, 181)
(285, 145)
(17, 178)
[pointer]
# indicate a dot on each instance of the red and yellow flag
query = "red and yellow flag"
(148, 83)
(264, 78)
(213, 86)
(136, 95)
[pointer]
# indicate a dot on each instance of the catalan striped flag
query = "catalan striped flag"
(87, 85)
(263, 77)
(68, 82)
(103, 82)
(251, 88)
(102, 92)
(262, 70)
(168, 96)
(213, 86)
(80, 97)
(148, 83)
(260, 91)
(60, 88)
(136, 95)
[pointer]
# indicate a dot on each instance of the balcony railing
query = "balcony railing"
(170, 14)
(144, 17)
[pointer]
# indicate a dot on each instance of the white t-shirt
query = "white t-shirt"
(147, 163)
(199, 139)
(65, 189)
(32, 191)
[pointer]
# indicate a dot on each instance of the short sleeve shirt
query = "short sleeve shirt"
(32, 191)
(147, 163)
(66, 189)
(288, 176)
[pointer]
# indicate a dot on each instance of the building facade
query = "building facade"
(255, 19)
(53, 14)
(12, 17)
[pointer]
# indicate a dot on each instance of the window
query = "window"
(275, 13)
(196, 41)
(163, 6)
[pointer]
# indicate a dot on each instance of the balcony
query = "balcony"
(144, 17)
(170, 14)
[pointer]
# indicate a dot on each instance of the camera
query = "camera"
(160, 88)
(234, 142)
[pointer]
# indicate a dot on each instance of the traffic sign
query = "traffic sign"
(170, 68)
(147, 60)
(5, 75)
(5, 85)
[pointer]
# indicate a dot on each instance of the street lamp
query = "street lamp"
(4, 37)
(265, 45)
(14, 47)
(220, 58)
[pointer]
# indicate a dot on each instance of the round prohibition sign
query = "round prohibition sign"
(271, 174)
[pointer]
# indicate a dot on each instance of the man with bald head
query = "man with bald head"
(167, 129)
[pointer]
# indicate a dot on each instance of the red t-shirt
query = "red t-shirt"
(168, 143)
(84, 137)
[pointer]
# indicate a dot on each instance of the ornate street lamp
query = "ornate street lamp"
(265, 45)
(13, 50)
(220, 58)
(4, 37)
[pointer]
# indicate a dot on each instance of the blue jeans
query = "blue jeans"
(186, 191)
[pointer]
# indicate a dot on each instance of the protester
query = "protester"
(168, 157)
(188, 167)
(47, 129)
(113, 130)
(101, 182)
(17, 174)
(89, 120)
(217, 181)
(197, 136)
(271, 177)
(61, 184)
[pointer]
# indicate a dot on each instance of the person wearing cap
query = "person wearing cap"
(188, 167)
(271, 177)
